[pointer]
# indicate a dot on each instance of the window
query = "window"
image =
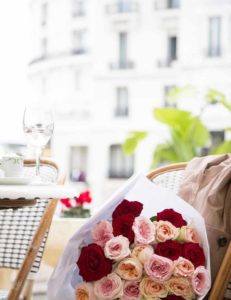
(44, 47)
(123, 37)
(214, 44)
(78, 163)
(172, 49)
(217, 137)
(121, 166)
(173, 3)
(124, 6)
(80, 41)
(44, 14)
(79, 8)
(121, 109)
(168, 102)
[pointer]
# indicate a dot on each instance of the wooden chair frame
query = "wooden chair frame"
(224, 274)
(37, 240)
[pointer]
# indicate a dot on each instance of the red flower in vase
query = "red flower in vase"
(66, 202)
(84, 197)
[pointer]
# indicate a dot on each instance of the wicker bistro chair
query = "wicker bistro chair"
(170, 177)
(23, 233)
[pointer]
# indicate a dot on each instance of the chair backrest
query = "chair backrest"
(170, 177)
(18, 227)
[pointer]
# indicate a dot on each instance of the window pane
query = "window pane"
(217, 137)
(121, 166)
(44, 14)
(124, 5)
(172, 48)
(79, 8)
(121, 101)
(78, 163)
(123, 49)
(173, 3)
(80, 41)
(214, 36)
(167, 96)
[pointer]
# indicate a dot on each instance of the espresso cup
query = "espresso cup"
(12, 165)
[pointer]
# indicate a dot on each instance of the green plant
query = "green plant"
(188, 135)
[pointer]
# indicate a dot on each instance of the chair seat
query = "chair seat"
(3, 295)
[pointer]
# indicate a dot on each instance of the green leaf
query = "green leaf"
(199, 133)
(130, 144)
(154, 218)
(223, 148)
(164, 153)
(172, 117)
(216, 96)
(175, 94)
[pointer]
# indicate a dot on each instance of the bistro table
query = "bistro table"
(15, 196)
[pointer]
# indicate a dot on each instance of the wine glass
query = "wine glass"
(38, 126)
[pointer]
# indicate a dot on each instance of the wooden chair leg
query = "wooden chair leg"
(221, 282)
(32, 251)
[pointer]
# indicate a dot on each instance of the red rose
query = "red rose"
(128, 207)
(172, 216)
(173, 297)
(194, 253)
(92, 263)
(169, 249)
(123, 226)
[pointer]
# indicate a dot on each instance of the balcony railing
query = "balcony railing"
(58, 55)
(122, 65)
(121, 7)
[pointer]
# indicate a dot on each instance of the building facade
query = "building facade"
(105, 64)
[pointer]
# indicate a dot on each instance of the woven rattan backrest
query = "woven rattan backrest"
(18, 226)
(168, 176)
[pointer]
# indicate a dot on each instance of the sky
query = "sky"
(14, 57)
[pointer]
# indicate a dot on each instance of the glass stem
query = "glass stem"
(38, 152)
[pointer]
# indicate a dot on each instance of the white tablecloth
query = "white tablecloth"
(37, 191)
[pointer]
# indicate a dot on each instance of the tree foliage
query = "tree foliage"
(187, 132)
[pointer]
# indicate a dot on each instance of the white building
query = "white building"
(104, 66)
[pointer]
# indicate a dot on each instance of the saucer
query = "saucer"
(15, 180)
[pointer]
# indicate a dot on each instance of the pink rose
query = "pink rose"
(84, 291)
(109, 287)
(117, 248)
(151, 289)
(180, 286)
(101, 233)
(165, 231)
(201, 281)
(131, 290)
(130, 269)
(144, 230)
(183, 268)
(142, 252)
(158, 268)
(189, 234)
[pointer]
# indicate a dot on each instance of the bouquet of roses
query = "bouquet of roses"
(132, 257)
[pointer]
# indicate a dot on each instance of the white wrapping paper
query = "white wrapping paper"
(154, 198)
